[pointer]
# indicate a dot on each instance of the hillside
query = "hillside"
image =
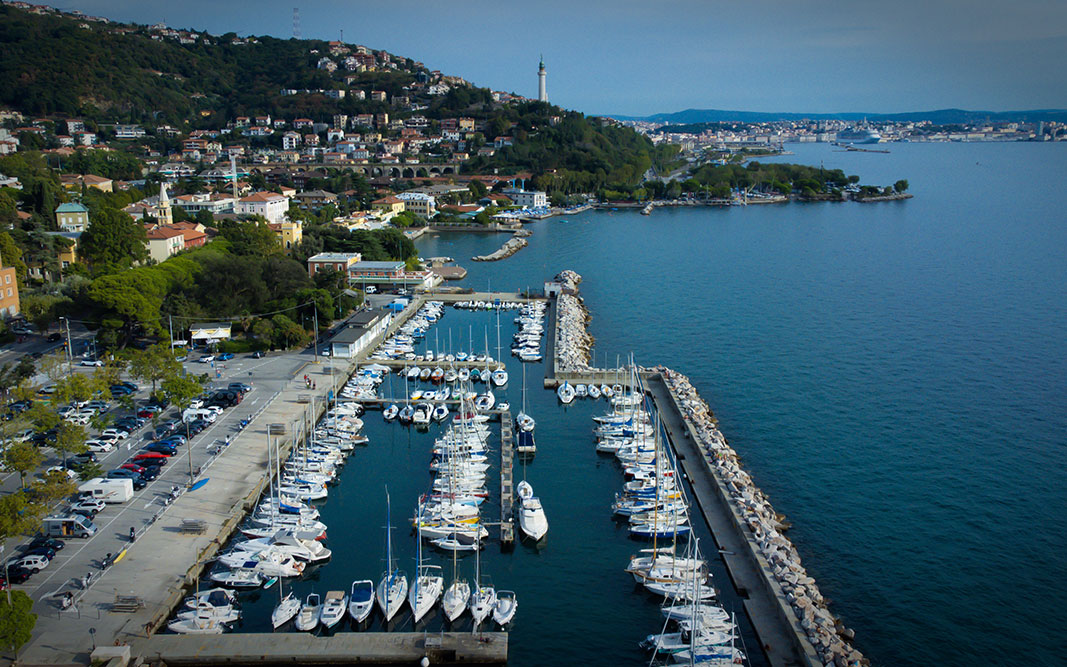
(60, 66)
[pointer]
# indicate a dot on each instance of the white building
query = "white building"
(270, 205)
(527, 198)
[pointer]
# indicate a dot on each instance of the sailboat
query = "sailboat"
(565, 393)
(524, 421)
(428, 581)
(288, 607)
(483, 598)
(393, 587)
(532, 520)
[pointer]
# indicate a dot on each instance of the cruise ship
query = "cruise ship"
(858, 135)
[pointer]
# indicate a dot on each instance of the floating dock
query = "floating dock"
(343, 648)
(507, 449)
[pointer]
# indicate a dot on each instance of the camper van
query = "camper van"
(68, 525)
(108, 490)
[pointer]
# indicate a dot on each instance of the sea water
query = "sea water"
(893, 376)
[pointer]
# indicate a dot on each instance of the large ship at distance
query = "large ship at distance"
(858, 135)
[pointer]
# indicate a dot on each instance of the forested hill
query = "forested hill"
(54, 64)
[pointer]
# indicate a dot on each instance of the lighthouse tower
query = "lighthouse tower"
(542, 76)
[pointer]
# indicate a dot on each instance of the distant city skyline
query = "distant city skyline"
(640, 59)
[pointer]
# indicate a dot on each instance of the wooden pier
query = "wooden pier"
(507, 449)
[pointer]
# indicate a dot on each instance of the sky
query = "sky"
(659, 56)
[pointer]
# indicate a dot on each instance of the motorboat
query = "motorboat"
(506, 605)
(198, 625)
(361, 601)
(581, 391)
(532, 520)
(499, 377)
(333, 609)
(238, 577)
(440, 412)
(594, 391)
(407, 413)
(308, 617)
(391, 412)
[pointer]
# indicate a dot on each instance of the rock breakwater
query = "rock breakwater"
(573, 342)
(831, 639)
(510, 247)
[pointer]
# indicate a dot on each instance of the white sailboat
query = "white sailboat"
(393, 588)
(483, 598)
(565, 392)
(427, 584)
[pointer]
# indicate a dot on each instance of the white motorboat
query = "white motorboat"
(308, 617)
(607, 391)
(440, 412)
(532, 519)
(286, 610)
(485, 402)
(391, 412)
(238, 577)
(333, 609)
(565, 393)
(361, 601)
(207, 625)
(216, 596)
(506, 605)
(581, 391)
(594, 391)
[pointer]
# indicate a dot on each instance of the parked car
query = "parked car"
(47, 552)
(148, 411)
(120, 473)
(69, 474)
(47, 391)
(118, 431)
(89, 506)
(149, 458)
(239, 386)
(99, 406)
(81, 459)
(97, 445)
(42, 541)
(225, 356)
(119, 390)
(15, 575)
(206, 359)
(33, 563)
(91, 362)
(168, 450)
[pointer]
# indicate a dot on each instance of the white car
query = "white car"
(88, 505)
(206, 359)
(32, 563)
(60, 469)
(116, 432)
(92, 362)
(99, 445)
(196, 403)
(78, 418)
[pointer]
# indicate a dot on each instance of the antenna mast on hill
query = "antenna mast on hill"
(296, 23)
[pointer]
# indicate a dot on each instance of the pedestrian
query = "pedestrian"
(133, 533)
(313, 384)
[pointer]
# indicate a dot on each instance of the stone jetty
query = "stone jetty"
(510, 247)
(573, 342)
(829, 637)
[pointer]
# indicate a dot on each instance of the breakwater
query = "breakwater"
(572, 340)
(826, 634)
(510, 247)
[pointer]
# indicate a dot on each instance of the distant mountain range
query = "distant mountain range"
(939, 117)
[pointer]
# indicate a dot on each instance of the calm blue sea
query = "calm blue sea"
(894, 376)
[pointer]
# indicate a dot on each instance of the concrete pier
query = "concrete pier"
(343, 648)
(779, 631)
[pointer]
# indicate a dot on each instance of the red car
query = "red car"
(147, 413)
(133, 466)
(155, 457)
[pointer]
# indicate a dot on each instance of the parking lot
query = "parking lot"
(79, 562)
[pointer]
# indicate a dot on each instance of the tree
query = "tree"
(22, 457)
(17, 517)
(54, 366)
(181, 389)
(42, 418)
(11, 255)
(477, 189)
(17, 620)
(251, 237)
(901, 186)
(153, 363)
(51, 488)
(112, 242)
(70, 439)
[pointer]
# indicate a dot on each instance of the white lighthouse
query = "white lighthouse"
(542, 76)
